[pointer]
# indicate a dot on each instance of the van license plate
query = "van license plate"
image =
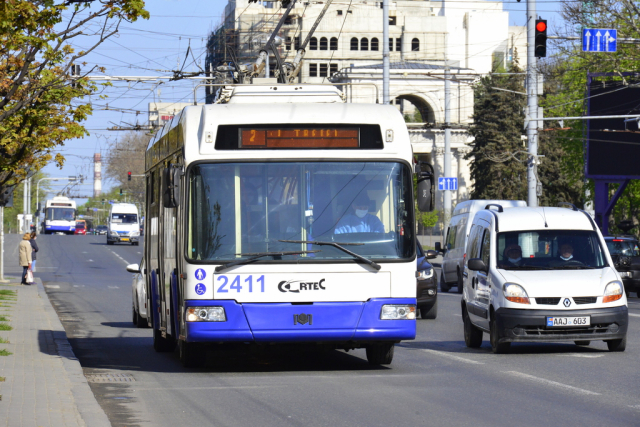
(125, 239)
(568, 321)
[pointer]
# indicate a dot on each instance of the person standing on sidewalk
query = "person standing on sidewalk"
(24, 250)
(35, 248)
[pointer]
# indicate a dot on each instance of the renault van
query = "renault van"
(454, 251)
(540, 274)
(124, 225)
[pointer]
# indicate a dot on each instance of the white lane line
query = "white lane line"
(78, 286)
(586, 356)
(459, 315)
(450, 295)
(454, 357)
(52, 286)
(90, 260)
(634, 315)
(123, 260)
(552, 383)
(113, 287)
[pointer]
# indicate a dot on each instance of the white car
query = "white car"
(139, 294)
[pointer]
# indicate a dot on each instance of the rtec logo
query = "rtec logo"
(298, 285)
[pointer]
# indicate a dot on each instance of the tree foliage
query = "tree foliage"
(127, 155)
(39, 108)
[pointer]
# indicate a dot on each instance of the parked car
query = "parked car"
(454, 249)
(102, 229)
(80, 229)
(625, 253)
(139, 295)
(427, 284)
(540, 275)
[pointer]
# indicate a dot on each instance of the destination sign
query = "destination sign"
(303, 137)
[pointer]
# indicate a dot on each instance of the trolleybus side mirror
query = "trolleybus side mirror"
(424, 171)
(171, 186)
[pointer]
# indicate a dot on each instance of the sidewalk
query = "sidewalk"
(44, 383)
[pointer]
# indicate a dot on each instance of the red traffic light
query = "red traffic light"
(541, 26)
(129, 176)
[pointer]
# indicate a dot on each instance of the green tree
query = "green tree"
(39, 108)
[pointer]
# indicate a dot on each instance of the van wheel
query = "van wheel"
(472, 335)
(460, 283)
(443, 284)
(497, 347)
(380, 354)
(582, 342)
(617, 345)
(192, 355)
(429, 312)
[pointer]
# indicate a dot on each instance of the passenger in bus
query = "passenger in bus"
(359, 220)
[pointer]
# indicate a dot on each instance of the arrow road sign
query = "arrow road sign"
(599, 40)
(445, 183)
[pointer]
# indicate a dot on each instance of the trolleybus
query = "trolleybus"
(60, 215)
(282, 215)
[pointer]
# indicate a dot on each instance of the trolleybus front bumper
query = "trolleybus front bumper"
(318, 322)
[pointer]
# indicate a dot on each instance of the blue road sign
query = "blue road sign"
(445, 183)
(599, 40)
(95, 209)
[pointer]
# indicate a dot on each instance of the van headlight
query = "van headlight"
(424, 274)
(206, 314)
(398, 312)
(613, 291)
(515, 293)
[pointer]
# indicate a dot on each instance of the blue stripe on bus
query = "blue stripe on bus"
(60, 227)
(283, 322)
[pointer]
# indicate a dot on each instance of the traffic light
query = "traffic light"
(128, 176)
(540, 44)
(121, 191)
(6, 198)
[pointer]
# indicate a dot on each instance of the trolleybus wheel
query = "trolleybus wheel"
(161, 344)
(192, 355)
(380, 354)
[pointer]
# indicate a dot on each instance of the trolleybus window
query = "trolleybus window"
(239, 209)
(61, 214)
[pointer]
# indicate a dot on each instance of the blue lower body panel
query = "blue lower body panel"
(59, 228)
(286, 322)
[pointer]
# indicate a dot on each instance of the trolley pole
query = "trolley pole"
(532, 106)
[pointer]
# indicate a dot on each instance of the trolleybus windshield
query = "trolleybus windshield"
(240, 210)
(61, 214)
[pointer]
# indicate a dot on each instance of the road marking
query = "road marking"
(634, 315)
(123, 260)
(90, 260)
(78, 286)
(459, 315)
(113, 287)
(451, 356)
(552, 383)
(52, 286)
(586, 356)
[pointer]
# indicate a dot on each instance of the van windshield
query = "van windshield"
(550, 250)
(124, 218)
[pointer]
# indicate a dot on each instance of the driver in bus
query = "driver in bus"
(359, 220)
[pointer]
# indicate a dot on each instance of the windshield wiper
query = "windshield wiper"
(373, 264)
(574, 267)
(256, 256)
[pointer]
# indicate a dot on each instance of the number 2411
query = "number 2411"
(236, 284)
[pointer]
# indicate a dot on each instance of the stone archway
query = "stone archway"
(422, 105)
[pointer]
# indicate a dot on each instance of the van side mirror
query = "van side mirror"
(425, 193)
(477, 264)
(431, 254)
(439, 247)
(171, 186)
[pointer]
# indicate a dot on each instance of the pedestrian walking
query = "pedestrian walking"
(35, 248)
(24, 250)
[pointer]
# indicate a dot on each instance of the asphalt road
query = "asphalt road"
(434, 380)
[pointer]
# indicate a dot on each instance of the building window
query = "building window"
(354, 43)
(287, 43)
(392, 20)
(323, 43)
(313, 44)
(296, 42)
(333, 68)
(288, 20)
(313, 70)
(415, 45)
(364, 43)
(390, 45)
(374, 44)
(324, 68)
(399, 45)
(339, 12)
(333, 43)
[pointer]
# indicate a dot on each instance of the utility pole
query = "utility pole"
(447, 137)
(532, 106)
(385, 52)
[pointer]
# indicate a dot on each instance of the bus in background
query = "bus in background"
(60, 216)
(282, 215)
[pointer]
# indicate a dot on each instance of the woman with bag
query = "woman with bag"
(35, 248)
(24, 250)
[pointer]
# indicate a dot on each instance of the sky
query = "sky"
(155, 47)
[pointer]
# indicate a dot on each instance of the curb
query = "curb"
(86, 404)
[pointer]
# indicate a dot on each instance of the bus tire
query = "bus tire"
(192, 355)
(161, 344)
(134, 319)
(380, 354)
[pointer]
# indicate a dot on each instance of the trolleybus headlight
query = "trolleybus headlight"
(206, 314)
(398, 312)
(515, 293)
(613, 291)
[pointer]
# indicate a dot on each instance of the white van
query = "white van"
(124, 225)
(541, 274)
(454, 250)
